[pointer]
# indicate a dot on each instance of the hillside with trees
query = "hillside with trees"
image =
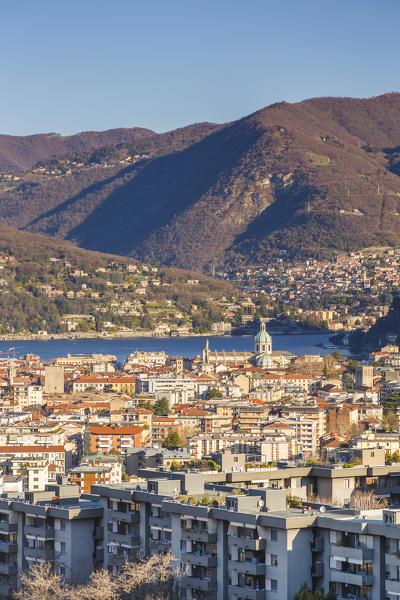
(47, 284)
(292, 180)
(21, 153)
(378, 334)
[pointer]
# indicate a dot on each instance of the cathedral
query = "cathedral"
(262, 356)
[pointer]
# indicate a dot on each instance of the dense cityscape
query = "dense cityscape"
(200, 300)
(227, 460)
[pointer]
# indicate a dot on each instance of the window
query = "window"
(346, 483)
(389, 518)
(274, 585)
(63, 546)
(274, 535)
(274, 560)
(62, 524)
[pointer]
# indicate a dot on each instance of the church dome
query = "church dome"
(262, 336)
(264, 360)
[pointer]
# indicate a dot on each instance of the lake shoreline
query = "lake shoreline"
(190, 346)
(145, 334)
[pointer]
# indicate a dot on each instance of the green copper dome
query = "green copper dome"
(264, 360)
(262, 336)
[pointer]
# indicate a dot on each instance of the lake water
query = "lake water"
(298, 344)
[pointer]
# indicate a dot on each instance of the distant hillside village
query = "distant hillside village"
(183, 454)
(89, 295)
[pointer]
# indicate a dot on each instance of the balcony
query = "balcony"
(128, 539)
(206, 584)
(125, 517)
(204, 560)
(246, 543)
(317, 544)
(392, 587)
(39, 554)
(41, 532)
(363, 554)
(392, 559)
(117, 559)
(7, 527)
(236, 591)
(8, 547)
(359, 579)
(162, 522)
(247, 567)
(317, 570)
(8, 568)
(160, 545)
(199, 536)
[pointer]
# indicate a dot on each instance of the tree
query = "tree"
(306, 594)
(153, 578)
(392, 458)
(366, 500)
(329, 366)
(145, 404)
(41, 583)
(161, 407)
(101, 586)
(213, 393)
(336, 355)
(173, 441)
(352, 364)
(391, 420)
(175, 465)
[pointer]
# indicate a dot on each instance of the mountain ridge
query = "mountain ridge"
(309, 178)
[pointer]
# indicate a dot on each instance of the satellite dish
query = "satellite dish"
(260, 503)
(322, 509)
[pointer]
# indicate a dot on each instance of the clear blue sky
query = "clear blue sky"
(73, 65)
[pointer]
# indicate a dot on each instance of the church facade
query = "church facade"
(262, 357)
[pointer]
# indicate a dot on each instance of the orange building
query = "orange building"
(104, 439)
(85, 476)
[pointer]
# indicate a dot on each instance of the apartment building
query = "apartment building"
(96, 469)
(205, 444)
(54, 526)
(233, 546)
(177, 389)
(104, 439)
(312, 412)
(154, 458)
(251, 546)
(53, 455)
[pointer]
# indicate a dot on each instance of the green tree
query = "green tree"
(145, 404)
(175, 465)
(161, 407)
(306, 594)
(173, 441)
(391, 420)
(213, 393)
(352, 364)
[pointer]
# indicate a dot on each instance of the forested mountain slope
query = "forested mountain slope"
(309, 178)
